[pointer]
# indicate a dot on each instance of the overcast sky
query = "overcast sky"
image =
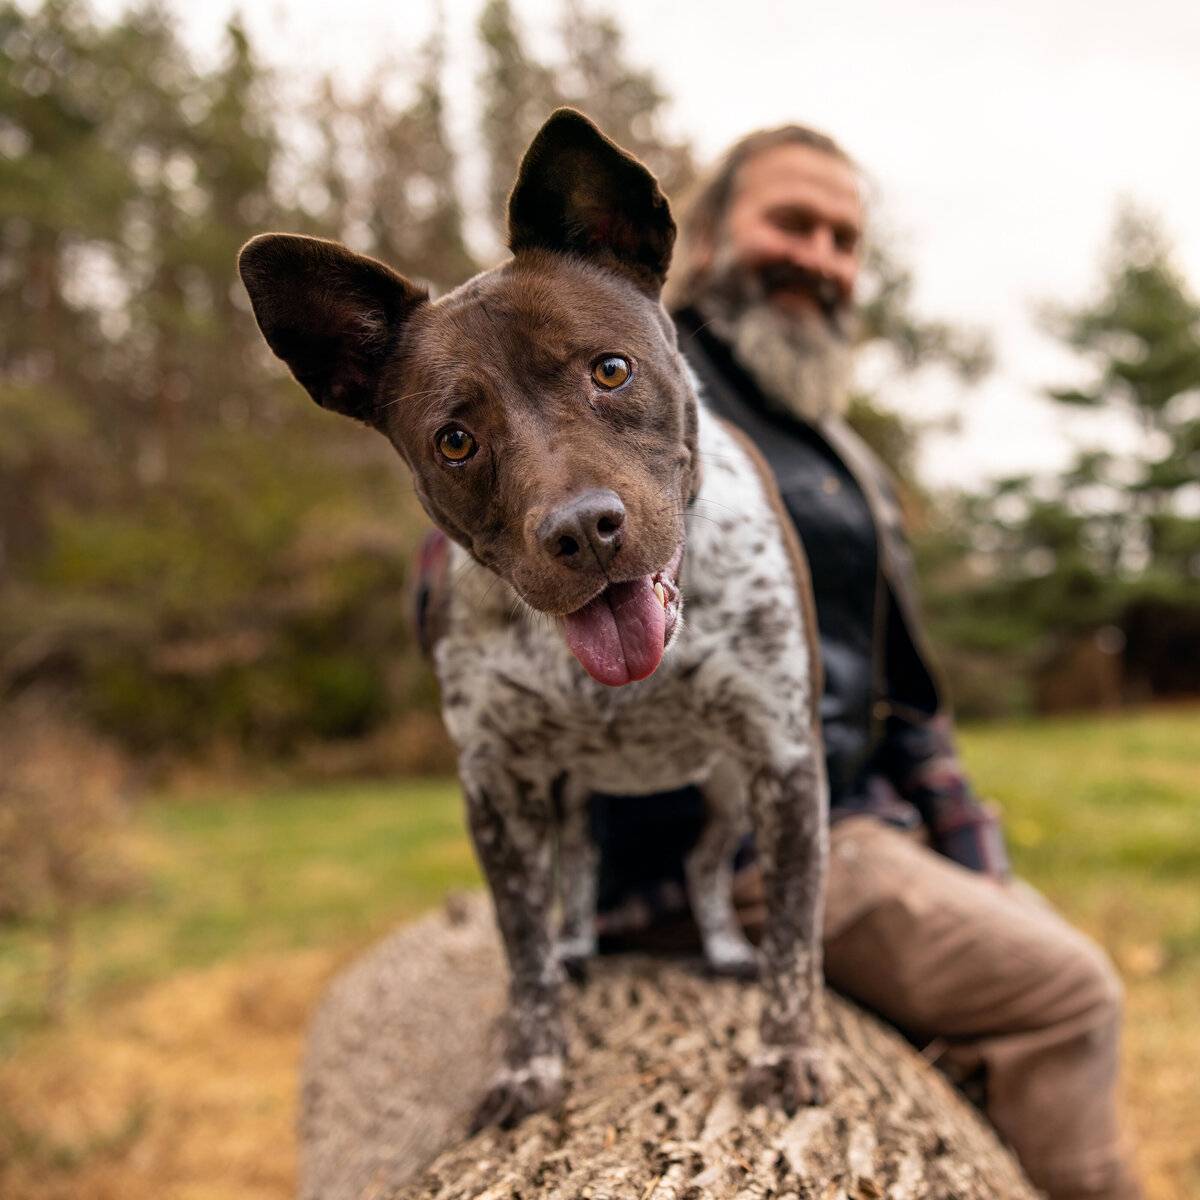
(999, 135)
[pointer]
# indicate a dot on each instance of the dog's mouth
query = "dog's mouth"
(620, 635)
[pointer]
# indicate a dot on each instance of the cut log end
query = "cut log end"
(407, 1038)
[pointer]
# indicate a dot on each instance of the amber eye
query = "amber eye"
(612, 371)
(456, 445)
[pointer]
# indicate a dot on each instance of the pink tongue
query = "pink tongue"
(619, 636)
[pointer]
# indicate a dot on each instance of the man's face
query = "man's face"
(795, 222)
(779, 283)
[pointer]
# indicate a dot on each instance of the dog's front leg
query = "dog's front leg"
(578, 876)
(791, 837)
(511, 822)
(709, 867)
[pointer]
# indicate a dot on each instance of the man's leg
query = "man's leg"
(999, 983)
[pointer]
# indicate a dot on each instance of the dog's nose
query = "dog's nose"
(590, 522)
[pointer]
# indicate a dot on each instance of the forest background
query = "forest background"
(200, 562)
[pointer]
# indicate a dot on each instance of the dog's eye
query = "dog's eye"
(456, 445)
(612, 371)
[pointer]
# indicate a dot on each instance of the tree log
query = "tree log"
(406, 1039)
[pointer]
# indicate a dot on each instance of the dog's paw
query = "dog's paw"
(574, 953)
(515, 1093)
(733, 957)
(791, 1077)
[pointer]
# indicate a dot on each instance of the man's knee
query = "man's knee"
(1098, 992)
(1107, 996)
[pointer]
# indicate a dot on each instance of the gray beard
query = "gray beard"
(801, 362)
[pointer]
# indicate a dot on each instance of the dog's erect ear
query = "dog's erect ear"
(578, 192)
(330, 314)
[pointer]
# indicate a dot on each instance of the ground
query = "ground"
(173, 1073)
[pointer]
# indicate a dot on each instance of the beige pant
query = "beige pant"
(991, 981)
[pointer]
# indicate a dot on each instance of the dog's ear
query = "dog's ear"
(578, 192)
(330, 314)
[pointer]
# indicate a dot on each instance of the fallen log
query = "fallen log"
(407, 1037)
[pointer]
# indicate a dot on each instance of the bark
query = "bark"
(408, 1036)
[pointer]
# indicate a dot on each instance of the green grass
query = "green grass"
(1101, 815)
(238, 874)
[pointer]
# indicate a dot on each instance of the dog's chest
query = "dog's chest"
(735, 677)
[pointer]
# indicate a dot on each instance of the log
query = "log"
(407, 1037)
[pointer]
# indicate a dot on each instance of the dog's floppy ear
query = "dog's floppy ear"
(330, 314)
(578, 192)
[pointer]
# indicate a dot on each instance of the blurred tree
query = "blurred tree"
(384, 177)
(591, 74)
(413, 208)
(185, 543)
(1036, 560)
(517, 94)
(911, 343)
(191, 549)
(1142, 342)
(625, 101)
(57, 76)
(886, 309)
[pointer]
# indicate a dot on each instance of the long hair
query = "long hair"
(704, 205)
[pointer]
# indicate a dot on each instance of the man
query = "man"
(922, 925)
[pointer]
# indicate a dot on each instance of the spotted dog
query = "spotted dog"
(553, 432)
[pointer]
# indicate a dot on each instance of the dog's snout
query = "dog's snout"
(586, 527)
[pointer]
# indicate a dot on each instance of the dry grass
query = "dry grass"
(187, 1091)
(184, 1086)
(1162, 1034)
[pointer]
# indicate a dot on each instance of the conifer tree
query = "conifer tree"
(625, 100)
(1141, 342)
(1040, 557)
(413, 209)
(517, 93)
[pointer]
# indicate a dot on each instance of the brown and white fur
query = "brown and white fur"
(564, 492)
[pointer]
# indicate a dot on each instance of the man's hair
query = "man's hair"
(704, 205)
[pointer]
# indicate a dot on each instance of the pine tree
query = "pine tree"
(517, 94)
(889, 320)
(626, 101)
(414, 212)
(56, 225)
(592, 73)
(1036, 562)
(1141, 340)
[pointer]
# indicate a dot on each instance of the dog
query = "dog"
(553, 432)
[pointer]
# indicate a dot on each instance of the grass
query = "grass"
(239, 874)
(1102, 816)
(174, 1074)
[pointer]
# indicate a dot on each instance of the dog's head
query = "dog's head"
(542, 407)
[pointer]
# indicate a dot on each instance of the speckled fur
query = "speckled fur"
(730, 708)
(508, 362)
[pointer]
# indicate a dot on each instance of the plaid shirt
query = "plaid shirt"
(918, 778)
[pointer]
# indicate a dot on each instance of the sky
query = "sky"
(997, 135)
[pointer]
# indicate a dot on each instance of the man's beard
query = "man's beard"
(801, 361)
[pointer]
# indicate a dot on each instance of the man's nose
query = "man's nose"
(815, 251)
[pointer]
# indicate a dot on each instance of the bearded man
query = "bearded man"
(922, 924)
